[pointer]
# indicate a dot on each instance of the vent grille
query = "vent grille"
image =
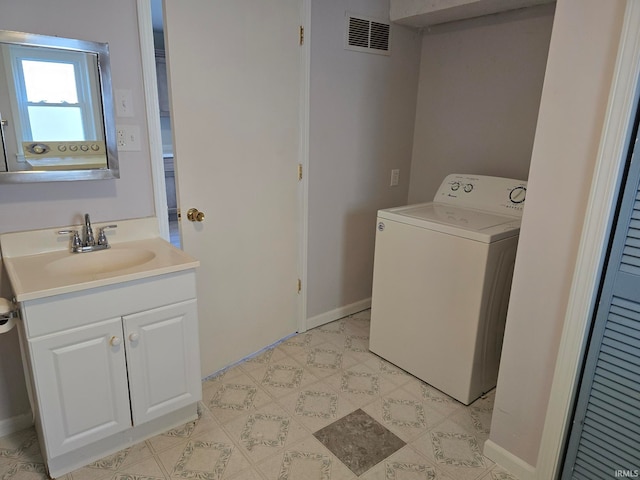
(367, 35)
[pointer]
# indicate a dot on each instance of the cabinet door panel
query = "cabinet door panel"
(81, 384)
(163, 360)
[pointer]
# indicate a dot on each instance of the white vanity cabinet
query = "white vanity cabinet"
(160, 345)
(111, 366)
(80, 380)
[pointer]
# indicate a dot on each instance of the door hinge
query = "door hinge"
(179, 214)
(299, 285)
(301, 34)
(299, 171)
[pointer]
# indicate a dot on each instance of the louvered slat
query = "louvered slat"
(619, 416)
(605, 436)
(630, 261)
(379, 36)
(358, 32)
(610, 435)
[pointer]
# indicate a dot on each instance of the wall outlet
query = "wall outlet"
(395, 177)
(128, 138)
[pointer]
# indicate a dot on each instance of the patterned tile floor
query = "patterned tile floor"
(257, 420)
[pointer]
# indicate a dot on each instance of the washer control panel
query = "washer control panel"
(494, 194)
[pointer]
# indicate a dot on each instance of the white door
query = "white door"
(162, 360)
(234, 78)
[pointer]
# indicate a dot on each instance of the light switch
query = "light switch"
(124, 103)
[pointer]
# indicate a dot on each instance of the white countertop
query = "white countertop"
(40, 265)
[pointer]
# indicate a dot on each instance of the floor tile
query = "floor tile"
(432, 396)
(233, 395)
(26, 471)
(405, 464)
(387, 370)
(148, 469)
(179, 435)
(317, 405)
(120, 461)
(282, 377)
(266, 432)
(209, 456)
(359, 441)
(360, 385)
(307, 460)
(21, 446)
(454, 450)
(256, 422)
(404, 414)
(498, 473)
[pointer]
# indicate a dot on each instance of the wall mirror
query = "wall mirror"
(56, 110)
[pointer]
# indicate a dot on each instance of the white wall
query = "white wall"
(362, 109)
(582, 53)
(478, 97)
(30, 206)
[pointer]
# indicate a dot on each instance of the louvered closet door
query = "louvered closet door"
(604, 441)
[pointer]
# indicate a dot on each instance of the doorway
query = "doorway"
(168, 158)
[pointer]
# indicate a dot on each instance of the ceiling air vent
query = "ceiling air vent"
(367, 35)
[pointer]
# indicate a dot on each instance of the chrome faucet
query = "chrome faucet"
(89, 240)
(88, 243)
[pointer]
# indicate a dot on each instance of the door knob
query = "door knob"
(194, 215)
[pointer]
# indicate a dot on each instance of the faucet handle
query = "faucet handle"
(75, 242)
(102, 238)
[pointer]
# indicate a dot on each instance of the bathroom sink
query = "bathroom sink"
(104, 261)
(39, 263)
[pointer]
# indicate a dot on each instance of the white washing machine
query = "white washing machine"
(441, 282)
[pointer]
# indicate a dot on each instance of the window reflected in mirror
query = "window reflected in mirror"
(55, 109)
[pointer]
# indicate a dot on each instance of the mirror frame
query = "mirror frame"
(106, 93)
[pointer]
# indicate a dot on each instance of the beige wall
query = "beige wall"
(479, 92)
(362, 109)
(30, 206)
(574, 98)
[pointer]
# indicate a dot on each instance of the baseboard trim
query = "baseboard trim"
(15, 424)
(339, 312)
(509, 461)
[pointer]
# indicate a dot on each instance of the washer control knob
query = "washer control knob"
(518, 194)
(468, 187)
(455, 186)
(73, 148)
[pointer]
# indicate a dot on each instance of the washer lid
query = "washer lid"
(463, 222)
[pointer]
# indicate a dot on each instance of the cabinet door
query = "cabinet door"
(80, 379)
(163, 359)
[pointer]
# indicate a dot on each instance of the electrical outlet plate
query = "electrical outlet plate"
(128, 138)
(395, 177)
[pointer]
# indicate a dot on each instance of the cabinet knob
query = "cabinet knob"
(115, 341)
(134, 337)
